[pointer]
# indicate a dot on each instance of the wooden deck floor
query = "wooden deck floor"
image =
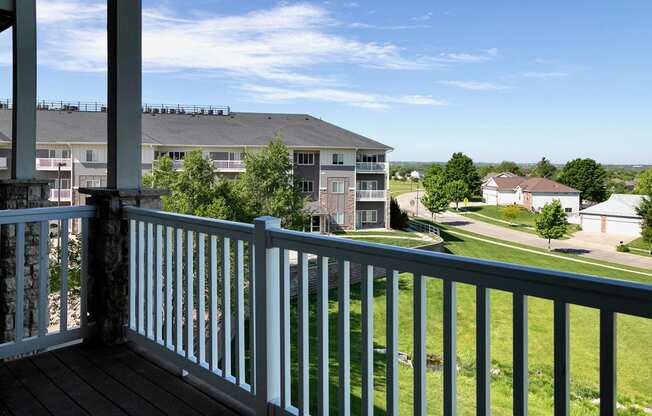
(83, 380)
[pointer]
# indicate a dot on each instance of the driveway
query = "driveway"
(590, 245)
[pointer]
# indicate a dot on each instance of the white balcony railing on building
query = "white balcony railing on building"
(234, 165)
(379, 167)
(52, 163)
(63, 194)
(3, 163)
(371, 195)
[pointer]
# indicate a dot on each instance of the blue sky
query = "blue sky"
(501, 80)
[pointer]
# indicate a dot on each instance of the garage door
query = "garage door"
(623, 226)
(591, 224)
(489, 197)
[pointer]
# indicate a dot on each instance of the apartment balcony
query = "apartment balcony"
(229, 165)
(64, 195)
(173, 327)
(53, 163)
(371, 167)
(371, 195)
(3, 163)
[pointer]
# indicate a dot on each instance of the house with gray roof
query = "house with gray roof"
(344, 174)
(615, 216)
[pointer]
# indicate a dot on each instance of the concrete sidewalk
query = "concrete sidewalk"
(590, 246)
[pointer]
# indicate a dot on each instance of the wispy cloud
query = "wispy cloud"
(423, 17)
(545, 75)
(262, 93)
(475, 85)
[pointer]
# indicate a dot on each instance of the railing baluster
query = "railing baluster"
(608, 342)
(190, 303)
(201, 296)
(419, 359)
(226, 306)
(150, 281)
(392, 343)
(44, 258)
(562, 362)
(63, 274)
(323, 381)
(240, 314)
(286, 380)
(20, 282)
(252, 314)
(302, 342)
(178, 298)
(141, 278)
(344, 334)
(483, 351)
(520, 339)
(450, 348)
(83, 307)
(159, 284)
(214, 359)
(169, 279)
(367, 339)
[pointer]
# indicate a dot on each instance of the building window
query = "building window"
(367, 185)
(307, 186)
(338, 158)
(58, 154)
(368, 158)
(338, 218)
(305, 158)
(92, 156)
(337, 187)
(64, 183)
(568, 210)
(368, 216)
(92, 181)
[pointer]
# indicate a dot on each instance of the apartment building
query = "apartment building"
(344, 174)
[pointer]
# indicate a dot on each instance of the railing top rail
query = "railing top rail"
(192, 223)
(15, 216)
(592, 291)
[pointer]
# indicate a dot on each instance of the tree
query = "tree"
(398, 219)
(269, 187)
(645, 211)
(508, 166)
(545, 169)
(551, 222)
(644, 184)
(461, 168)
(457, 191)
(436, 198)
(510, 212)
(587, 176)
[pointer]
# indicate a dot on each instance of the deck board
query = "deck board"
(83, 380)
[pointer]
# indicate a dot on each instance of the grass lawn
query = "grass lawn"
(402, 187)
(523, 222)
(634, 342)
(640, 245)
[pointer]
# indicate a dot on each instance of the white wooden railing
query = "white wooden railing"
(173, 254)
(424, 227)
(371, 195)
(14, 223)
(64, 194)
(379, 167)
(229, 164)
(52, 163)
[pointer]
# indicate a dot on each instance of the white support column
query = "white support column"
(267, 317)
(124, 94)
(23, 150)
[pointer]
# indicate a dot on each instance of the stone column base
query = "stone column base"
(20, 194)
(108, 275)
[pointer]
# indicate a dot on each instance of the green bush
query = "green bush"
(622, 248)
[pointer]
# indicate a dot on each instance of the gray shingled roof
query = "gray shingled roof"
(237, 129)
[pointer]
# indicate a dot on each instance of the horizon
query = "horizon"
(428, 80)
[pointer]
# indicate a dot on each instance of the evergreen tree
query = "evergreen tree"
(545, 169)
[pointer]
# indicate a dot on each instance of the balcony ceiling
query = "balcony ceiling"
(6, 14)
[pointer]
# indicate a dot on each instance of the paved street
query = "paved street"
(596, 246)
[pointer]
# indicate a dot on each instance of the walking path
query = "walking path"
(581, 244)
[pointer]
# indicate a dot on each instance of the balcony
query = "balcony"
(371, 167)
(53, 163)
(3, 163)
(60, 194)
(229, 165)
(281, 273)
(371, 195)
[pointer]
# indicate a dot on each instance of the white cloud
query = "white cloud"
(355, 99)
(423, 18)
(475, 85)
(545, 75)
(463, 57)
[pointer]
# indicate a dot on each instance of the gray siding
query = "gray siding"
(379, 207)
(309, 173)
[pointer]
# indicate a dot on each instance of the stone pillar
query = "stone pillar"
(108, 268)
(20, 194)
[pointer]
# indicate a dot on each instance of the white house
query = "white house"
(501, 189)
(616, 216)
(531, 193)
